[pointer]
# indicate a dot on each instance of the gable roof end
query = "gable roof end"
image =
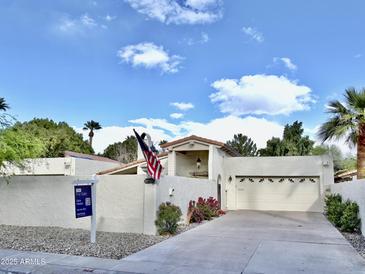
(221, 145)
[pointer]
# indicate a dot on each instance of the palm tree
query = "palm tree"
(3, 105)
(348, 121)
(91, 125)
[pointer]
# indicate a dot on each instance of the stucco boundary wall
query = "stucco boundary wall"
(184, 190)
(355, 191)
(124, 203)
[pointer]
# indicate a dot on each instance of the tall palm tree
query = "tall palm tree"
(91, 126)
(3, 105)
(348, 121)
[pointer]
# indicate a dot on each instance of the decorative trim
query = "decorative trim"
(274, 179)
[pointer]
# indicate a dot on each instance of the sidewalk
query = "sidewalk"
(38, 262)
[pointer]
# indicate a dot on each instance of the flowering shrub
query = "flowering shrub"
(195, 215)
(204, 209)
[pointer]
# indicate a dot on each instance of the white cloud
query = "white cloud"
(221, 129)
(150, 56)
(111, 134)
(179, 12)
(77, 25)
(67, 25)
(176, 115)
(110, 18)
(87, 21)
(287, 62)
(151, 123)
(254, 34)
(261, 94)
(204, 38)
(201, 4)
(182, 106)
(359, 55)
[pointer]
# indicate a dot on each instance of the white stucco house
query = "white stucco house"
(295, 183)
(42, 192)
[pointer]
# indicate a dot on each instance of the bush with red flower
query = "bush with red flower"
(204, 209)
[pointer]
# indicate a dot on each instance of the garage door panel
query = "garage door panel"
(287, 193)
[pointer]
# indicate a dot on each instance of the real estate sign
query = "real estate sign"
(83, 201)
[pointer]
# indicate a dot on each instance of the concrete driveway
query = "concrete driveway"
(252, 242)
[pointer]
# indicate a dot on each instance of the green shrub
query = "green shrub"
(349, 220)
(334, 209)
(168, 217)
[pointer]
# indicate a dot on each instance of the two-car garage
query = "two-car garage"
(277, 183)
(278, 193)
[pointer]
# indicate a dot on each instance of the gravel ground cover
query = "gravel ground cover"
(77, 241)
(74, 241)
(185, 227)
(357, 241)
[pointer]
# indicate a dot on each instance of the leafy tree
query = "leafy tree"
(348, 121)
(91, 126)
(320, 150)
(333, 151)
(18, 144)
(292, 144)
(56, 137)
(349, 163)
(124, 152)
(274, 147)
(243, 144)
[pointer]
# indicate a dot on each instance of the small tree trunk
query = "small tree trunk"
(361, 152)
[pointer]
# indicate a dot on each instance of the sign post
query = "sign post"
(85, 202)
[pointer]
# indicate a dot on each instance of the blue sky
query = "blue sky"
(238, 66)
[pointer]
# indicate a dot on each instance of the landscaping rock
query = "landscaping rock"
(357, 241)
(185, 227)
(74, 241)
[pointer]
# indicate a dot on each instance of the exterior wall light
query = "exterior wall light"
(171, 191)
(198, 163)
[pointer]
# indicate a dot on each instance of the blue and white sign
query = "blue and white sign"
(83, 201)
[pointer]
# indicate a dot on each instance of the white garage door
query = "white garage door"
(278, 193)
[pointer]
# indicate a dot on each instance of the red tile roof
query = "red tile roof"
(125, 166)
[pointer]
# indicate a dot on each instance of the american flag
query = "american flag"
(154, 166)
